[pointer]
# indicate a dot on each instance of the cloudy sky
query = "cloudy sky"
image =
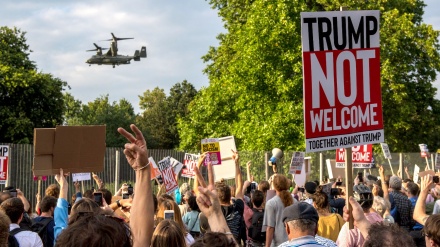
(177, 34)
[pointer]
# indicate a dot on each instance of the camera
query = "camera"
(360, 177)
(125, 196)
(339, 183)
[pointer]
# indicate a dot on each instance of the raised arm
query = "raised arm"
(420, 208)
(98, 181)
(198, 174)
(386, 196)
(248, 171)
(238, 176)
(142, 209)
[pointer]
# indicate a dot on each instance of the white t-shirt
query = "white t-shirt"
(436, 209)
(26, 238)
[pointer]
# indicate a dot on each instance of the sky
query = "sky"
(176, 33)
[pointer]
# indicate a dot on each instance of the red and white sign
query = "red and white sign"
(4, 154)
(424, 151)
(154, 170)
(297, 163)
(168, 176)
(341, 72)
(190, 161)
(362, 156)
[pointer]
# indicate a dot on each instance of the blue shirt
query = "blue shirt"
(60, 216)
(417, 226)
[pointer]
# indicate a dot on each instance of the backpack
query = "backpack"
(40, 227)
(12, 240)
(255, 230)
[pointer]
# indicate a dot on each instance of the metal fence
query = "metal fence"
(21, 160)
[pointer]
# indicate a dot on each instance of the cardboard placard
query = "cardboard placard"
(300, 179)
(227, 169)
(81, 176)
(437, 160)
(154, 170)
(386, 151)
(297, 163)
(416, 173)
(190, 162)
(332, 170)
(168, 176)
(76, 149)
(176, 165)
(4, 154)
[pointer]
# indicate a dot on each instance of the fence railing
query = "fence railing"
(21, 160)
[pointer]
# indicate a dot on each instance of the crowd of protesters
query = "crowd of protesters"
(387, 211)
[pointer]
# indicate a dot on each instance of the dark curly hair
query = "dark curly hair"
(193, 203)
(388, 235)
(223, 191)
(214, 239)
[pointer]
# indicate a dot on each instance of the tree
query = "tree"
(101, 112)
(28, 99)
(255, 90)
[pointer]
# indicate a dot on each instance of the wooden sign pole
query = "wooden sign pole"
(349, 184)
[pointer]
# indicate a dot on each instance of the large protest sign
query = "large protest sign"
(190, 161)
(81, 176)
(362, 156)
(297, 163)
(227, 169)
(168, 175)
(341, 72)
(424, 151)
(4, 154)
(386, 151)
(212, 146)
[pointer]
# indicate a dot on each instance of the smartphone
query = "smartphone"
(435, 179)
(361, 177)
(301, 190)
(125, 196)
(13, 193)
(169, 214)
(97, 197)
(130, 190)
(339, 183)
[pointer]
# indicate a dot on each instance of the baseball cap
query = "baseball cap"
(301, 210)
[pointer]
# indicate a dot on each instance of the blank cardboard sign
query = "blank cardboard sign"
(227, 168)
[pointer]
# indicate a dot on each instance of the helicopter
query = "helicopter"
(112, 57)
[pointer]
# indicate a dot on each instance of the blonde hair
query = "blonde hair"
(170, 205)
(168, 233)
(380, 205)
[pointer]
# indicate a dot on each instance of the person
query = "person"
(14, 209)
(192, 219)
(257, 199)
(412, 191)
(4, 229)
(53, 190)
(310, 189)
(272, 223)
(401, 208)
(301, 224)
(213, 239)
(329, 224)
(47, 206)
(168, 233)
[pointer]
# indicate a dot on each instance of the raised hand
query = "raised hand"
(136, 151)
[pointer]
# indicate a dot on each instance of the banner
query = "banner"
(386, 151)
(212, 146)
(190, 161)
(4, 154)
(362, 157)
(168, 176)
(341, 79)
(81, 176)
(297, 163)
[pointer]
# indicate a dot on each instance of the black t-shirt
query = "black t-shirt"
(234, 216)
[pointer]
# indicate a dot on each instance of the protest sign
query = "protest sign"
(4, 154)
(297, 163)
(168, 176)
(81, 176)
(176, 165)
(423, 150)
(362, 157)
(386, 151)
(341, 72)
(416, 173)
(154, 170)
(437, 159)
(190, 161)
(227, 169)
(300, 178)
(212, 146)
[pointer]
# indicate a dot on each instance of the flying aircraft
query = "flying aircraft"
(112, 57)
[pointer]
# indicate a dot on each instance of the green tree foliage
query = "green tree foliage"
(255, 90)
(160, 113)
(28, 99)
(101, 112)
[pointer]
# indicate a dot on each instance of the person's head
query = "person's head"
(4, 229)
(388, 235)
(412, 189)
(264, 186)
(193, 203)
(214, 239)
(14, 209)
(223, 192)
(107, 195)
(88, 194)
(282, 187)
(96, 230)
(53, 190)
(310, 188)
(4, 196)
(300, 219)
(257, 198)
(320, 199)
(380, 205)
(170, 205)
(48, 204)
(431, 230)
(83, 207)
(185, 187)
(186, 196)
(395, 183)
(168, 233)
